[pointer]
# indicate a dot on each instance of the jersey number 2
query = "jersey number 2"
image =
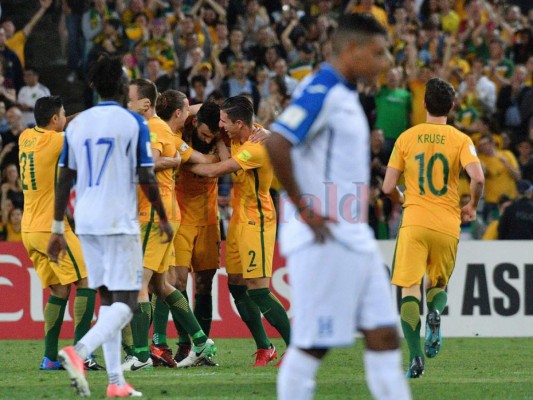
(105, 141)
(426, 172)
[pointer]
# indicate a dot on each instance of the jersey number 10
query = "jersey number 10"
(425, 172)
(99, 170)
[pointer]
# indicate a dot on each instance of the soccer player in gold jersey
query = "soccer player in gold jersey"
(40, 148)
(252, 229)
(195, 233)
(430, 156)
(159, 256)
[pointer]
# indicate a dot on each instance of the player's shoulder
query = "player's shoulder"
(317, 86)
(249, 150)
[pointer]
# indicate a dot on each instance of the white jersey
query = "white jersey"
(105, 145)
(329, 130)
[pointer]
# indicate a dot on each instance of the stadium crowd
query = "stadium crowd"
(214, 49)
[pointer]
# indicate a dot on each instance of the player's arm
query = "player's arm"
(215, 170)
(162, 163)
(150, 188)
(193, 110)
(390, 188)
(222, 150)
(477, 182)
(199, 158)
(58, 244)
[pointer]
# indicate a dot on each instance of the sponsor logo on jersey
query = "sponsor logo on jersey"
(244, 155)
(316, 89)
(293, 116)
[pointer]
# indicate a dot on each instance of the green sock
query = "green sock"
(140, 325)
(203, 311)
(183, 336)
(436, 299)
(273, 311)
(410, 313)
(127, 341)
(160, 316)
(54, 311)
(181, 312)
(83, 312)
(250, 315)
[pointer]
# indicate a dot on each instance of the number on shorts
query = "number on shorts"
(252, 263)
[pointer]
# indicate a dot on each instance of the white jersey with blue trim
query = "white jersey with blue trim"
(105, 145)
(328, 128)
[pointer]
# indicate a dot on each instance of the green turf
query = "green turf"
(466, 369)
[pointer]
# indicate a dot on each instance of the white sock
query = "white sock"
(384, 375)
(111, 320)
(296, 377)
(112, 357)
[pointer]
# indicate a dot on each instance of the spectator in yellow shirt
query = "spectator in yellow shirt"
(16, 40)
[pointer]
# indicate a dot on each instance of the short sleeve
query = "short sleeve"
(250, 156)
(144, 146)
(295, 122)
(184, 149)
(67, 158)
(468, 152)
(397, 160)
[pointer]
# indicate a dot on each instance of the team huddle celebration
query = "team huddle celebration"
(318, 126)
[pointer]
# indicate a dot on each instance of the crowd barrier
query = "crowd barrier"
(490, 293)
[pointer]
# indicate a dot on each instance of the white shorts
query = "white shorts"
(335, 292)
(114, 261)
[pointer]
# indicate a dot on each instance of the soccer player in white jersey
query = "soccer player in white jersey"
(339, 284)
(105, 149)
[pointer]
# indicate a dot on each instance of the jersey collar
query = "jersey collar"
(108, 103)
(329, 68)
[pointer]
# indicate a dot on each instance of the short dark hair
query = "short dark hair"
(239, 108)
(107, 77)
(198, 78)
(439, 97)
(45, 108)
(209, 114)
(145, 89)
(31, 69)
(168, 102)
(359, 26)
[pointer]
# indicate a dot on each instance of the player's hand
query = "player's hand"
(468, 213)
(56, 247)
(259, 135)
(139, 106)
(166, 231)
(46, 4)
(317, 222)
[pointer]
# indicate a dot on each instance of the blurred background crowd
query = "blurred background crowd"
(213, 49)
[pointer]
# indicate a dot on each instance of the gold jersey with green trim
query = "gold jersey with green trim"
(39, 151)
(162, 139)
(252, 203)
(197, 195)
(430, 157)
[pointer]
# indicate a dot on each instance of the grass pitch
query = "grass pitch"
(465, 369)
